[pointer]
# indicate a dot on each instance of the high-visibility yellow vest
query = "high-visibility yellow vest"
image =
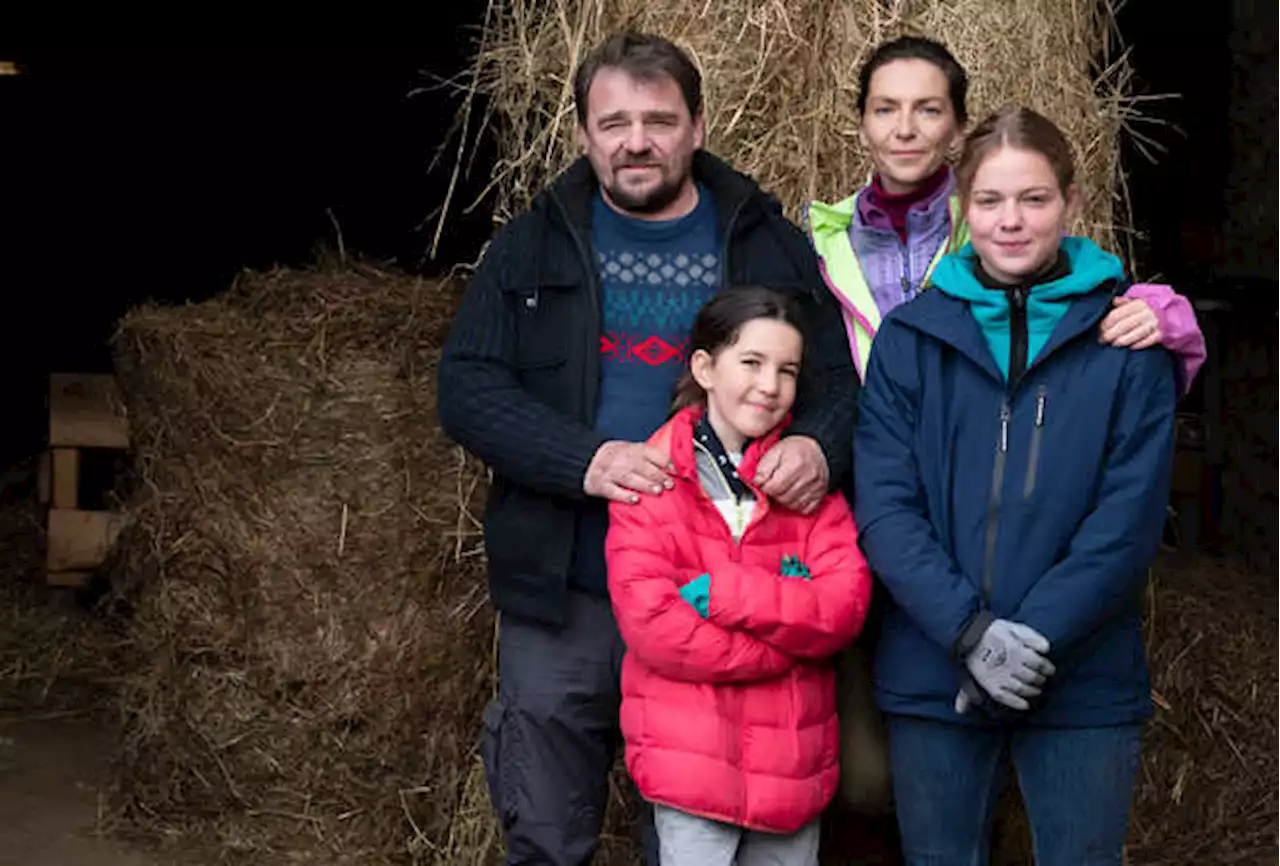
(829, 230)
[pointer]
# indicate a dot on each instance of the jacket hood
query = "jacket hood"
(1091, 266)
(822, 218)
(1077, 302)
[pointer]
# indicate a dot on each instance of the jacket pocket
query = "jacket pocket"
(544, 322)
(1037, 435)
(546, 326)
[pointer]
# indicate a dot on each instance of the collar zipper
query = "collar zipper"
(758, 512)
(1018, 338)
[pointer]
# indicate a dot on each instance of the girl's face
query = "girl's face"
(1017, 214)
(750, 384)
(908, 124)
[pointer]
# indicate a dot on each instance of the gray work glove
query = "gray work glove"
(1009, 664)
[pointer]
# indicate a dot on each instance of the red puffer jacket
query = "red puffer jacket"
(733, 717)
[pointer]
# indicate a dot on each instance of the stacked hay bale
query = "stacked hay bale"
(55, 654)
(310, 650)
(780, 83)
(1207, 784)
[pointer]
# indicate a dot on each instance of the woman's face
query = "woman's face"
(909, 123)
(1017, 213)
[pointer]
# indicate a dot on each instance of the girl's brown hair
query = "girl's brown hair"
(720, 321)
(1021, 128)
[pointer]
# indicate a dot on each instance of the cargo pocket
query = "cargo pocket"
(497, 774)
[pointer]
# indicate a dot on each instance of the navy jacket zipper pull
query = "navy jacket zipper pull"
(1005, 413)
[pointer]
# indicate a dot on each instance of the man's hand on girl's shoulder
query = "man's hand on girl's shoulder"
(620, 471)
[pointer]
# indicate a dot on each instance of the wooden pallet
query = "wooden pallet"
(85, 411)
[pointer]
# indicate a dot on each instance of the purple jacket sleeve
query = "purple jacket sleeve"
(1178, 325)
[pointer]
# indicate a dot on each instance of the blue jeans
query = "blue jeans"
(1077, 784)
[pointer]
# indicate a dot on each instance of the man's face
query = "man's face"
(640, 139)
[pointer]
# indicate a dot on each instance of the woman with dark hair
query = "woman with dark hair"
(879, 248)
(1012, 478)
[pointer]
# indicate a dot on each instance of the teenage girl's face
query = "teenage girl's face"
(750, 384)
(1017, 213)
(908, 124)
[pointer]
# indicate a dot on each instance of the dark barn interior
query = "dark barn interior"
(1207, 213)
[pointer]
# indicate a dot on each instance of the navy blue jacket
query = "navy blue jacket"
(1042, 505)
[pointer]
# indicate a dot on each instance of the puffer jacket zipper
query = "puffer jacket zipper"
(1033, 458)
(735, 537)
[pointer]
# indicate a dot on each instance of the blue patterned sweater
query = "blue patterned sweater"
(656, 275)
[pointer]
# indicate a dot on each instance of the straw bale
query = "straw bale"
(55, 655)
(310, 649)
(297, 693)
(1207, 785)
(780, 84)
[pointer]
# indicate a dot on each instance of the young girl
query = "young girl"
(731, 607)
(1012, 479)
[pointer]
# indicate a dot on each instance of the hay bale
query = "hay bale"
(1207, 786)
(55, 655)
(780, 83)
(311, 650)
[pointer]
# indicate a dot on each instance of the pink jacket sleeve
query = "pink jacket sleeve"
(812, 618)
(661, 628)
(1178, 326)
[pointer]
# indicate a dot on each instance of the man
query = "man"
(562, 362)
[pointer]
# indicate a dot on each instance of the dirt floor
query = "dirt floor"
(51, 770)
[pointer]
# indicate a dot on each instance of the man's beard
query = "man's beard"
(650, 200)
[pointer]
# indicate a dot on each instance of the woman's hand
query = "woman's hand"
(1132, 324)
